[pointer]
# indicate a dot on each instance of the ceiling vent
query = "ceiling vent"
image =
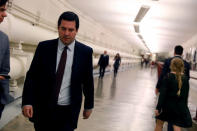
(142, 12)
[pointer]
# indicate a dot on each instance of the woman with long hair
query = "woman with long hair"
(117, 61)
(173, 99)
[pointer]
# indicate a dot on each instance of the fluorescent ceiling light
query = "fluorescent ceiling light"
(140, 36)
(142, 12)
(136, 27)
(147, 47)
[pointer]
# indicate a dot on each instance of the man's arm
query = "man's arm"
(100, 59)
(162, 95)
(4, 70)
(187, 69)
(88, 88)
(5, 67)
(164, 71)
(29, 85)
(107, 60)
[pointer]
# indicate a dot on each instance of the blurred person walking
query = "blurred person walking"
(103, 63)
(117, 62)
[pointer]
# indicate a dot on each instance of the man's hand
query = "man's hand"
(86, 114)
(27, 111)
(157, 112)
(2, 78)
(156, 91)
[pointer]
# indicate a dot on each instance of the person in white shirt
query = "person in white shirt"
(60, 73)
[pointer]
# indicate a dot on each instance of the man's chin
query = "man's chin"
(67, 42)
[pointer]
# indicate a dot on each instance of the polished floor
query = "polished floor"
(122, 103)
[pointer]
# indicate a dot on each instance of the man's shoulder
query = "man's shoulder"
(3, 35)
(49, 41)
(82, 46)
(186, 64)
(168, 60)
(47, 44)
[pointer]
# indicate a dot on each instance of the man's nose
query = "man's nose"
(4, 14)
(66, 32)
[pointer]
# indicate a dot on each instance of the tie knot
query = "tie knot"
(66, 47)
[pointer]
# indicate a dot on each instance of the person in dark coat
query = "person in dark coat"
(60, 74)
(117, 61)
(103, 63)
(172, 104)
(5, 98)
(178, 51)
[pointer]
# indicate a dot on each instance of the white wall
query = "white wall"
(32, 21)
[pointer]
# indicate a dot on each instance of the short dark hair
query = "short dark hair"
(69, 16)
(3, 2)
(178, 50)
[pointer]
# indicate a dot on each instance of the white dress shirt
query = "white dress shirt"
(64, 95)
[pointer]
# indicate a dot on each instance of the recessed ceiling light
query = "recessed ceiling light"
(142, 12)
(140, 36)
(136, 27)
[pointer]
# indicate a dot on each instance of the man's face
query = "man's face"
(67, 31)
(2, 12)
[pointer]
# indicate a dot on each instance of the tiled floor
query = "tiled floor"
(124, 103)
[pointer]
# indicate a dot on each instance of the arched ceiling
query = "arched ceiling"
(166, 23)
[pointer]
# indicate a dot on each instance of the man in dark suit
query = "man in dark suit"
(103, 63)
(60, 71)
(4, 61)
(178, 51)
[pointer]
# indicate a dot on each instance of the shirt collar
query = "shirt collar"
(177, 56)
(70, 46)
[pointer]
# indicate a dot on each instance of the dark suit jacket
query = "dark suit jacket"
(40, 80)
(4, 69)
(103, 60)
(166, 70)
